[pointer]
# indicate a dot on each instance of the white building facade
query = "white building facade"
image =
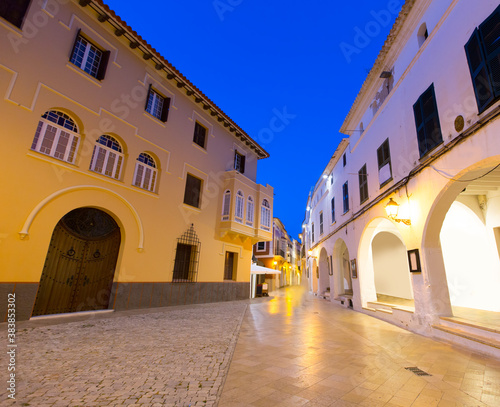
(422, 141)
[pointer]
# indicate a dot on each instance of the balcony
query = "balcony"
(236, 219)
(279, 252)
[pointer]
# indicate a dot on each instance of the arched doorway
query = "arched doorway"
(341, 269)
(383, 259)
(314, 276)
(80, 264)
(390, 266)
(324, 279)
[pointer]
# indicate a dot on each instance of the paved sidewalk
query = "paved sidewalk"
(175, 356)
(299, 350)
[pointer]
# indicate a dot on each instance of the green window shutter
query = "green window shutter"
(478, 71)
(165, 109)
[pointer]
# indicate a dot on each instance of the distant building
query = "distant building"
(125, 186)
(281, 254)
(404, 222)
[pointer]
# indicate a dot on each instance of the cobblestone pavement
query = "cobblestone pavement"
(175, 356)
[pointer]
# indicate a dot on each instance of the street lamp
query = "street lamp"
(392, 208)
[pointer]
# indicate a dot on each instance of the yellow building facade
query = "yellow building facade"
(125, 186)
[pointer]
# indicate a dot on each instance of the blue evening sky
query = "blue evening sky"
(287, 72)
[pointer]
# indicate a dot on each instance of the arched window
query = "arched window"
(226, 205)
(250, 211)
(238, 208)
(145, 172)
(265, 215)
(57, 136)
(107, 158)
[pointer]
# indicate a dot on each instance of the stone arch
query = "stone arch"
(324, 278)
(24, 233)
(376, 253)
(433, 269)
(342, 281)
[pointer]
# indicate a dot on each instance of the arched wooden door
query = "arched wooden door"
(80, 263)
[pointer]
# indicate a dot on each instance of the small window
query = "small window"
(107, 158)
(427, 122)
(384, 163)
(320, 223)
(187, 256)
(422, 34)
(230, 266)
(200, 135)
(345, 197)
(145, 172)
(333, 209)
(239, 162)
(363, 184)
(192, 194)
(14, 11)
(89, 58)
(261, 246)
(157, 105)
(265, 215)
(250, 211)
(483, 56)
(226, 205)
(344, 160)
(312, 232)
(238, 207)
(56, 136)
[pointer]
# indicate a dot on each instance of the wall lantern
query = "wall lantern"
(310, 253)
(392, 208)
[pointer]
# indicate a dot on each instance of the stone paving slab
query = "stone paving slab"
(175, 356)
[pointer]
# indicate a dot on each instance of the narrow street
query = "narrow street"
(299, 350)
(291, 349)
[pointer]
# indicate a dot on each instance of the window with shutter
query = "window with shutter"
(320, 223)
(345, 197)
(363, 184)
(427, 122)
(89, 58)
(333, 209)
(483, 56)
(312, 232)
(384, 163)
(14, 11)
(239, 162)
(157, 105)
(192, 193)
(200, 134)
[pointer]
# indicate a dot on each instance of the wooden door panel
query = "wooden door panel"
(60, 273)
(96, 277)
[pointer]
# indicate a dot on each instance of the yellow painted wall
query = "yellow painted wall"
(35, 76)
